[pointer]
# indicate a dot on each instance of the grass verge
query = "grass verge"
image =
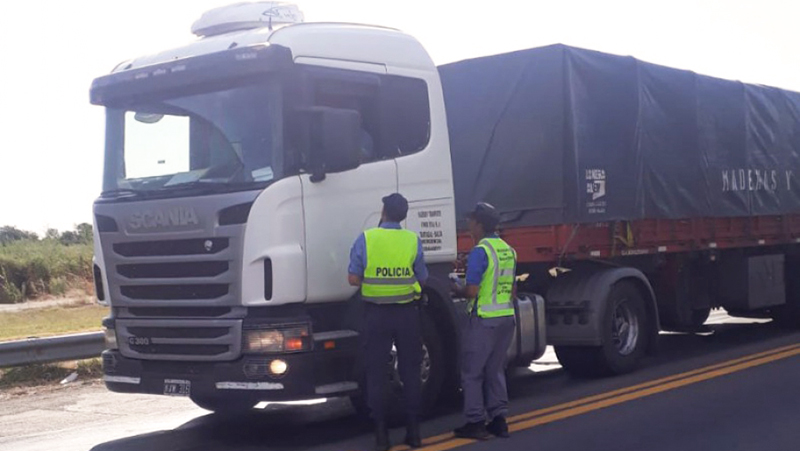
(30, 269)
(51, 321)
(49, 373)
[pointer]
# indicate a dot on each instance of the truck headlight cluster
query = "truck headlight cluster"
(266, 341)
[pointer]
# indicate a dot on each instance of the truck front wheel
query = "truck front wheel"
(625, 329)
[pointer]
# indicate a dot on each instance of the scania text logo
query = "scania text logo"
(175, 217)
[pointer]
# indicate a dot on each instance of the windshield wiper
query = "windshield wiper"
(120, 192)
(209, 185)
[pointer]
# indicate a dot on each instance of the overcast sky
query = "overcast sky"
(52, 138)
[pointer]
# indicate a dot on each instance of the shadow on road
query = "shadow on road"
(333, 425)
(277, 427)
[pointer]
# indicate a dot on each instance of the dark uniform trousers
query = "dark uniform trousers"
(399, 324)
(485, 343)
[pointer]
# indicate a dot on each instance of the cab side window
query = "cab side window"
(357, 95)
(406, 115)
(394, 110)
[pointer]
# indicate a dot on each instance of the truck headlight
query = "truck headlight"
(265, 341)
(110, 336)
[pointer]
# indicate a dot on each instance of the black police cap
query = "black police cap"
(396, 206)
(485, 215)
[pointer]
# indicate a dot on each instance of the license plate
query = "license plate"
(177, 387)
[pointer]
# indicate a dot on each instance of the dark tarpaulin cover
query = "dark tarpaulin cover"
(564, 135)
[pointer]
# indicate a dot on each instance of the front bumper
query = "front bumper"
(311, 375)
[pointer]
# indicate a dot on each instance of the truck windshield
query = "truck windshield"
(215, 141)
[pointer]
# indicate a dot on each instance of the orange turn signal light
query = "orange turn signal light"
(294, 344)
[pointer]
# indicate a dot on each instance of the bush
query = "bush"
(9, 292)
(31, 268)
(58, 286)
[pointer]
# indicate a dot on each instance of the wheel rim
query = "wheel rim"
(624, 328)
(425, 367)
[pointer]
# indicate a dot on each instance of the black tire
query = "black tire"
(222, 405)
(431, 388)
(613, 356)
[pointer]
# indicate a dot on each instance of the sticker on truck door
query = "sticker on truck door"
(177, 387)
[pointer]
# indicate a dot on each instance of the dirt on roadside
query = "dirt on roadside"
(74, 299)
(8, 393)
(38, 378)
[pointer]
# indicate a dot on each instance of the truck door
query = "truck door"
(340, 207)
(424, 169)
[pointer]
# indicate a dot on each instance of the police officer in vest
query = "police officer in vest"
(489, 328)
(388, 264)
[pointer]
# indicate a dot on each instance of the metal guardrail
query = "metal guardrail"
(51, 349)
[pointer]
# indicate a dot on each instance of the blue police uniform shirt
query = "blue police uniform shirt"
(477, 262)
(358, 255)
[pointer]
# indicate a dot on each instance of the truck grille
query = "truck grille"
(197, 246)
(177, 299)
(170, 273)
(172, 270)
(175, 287)
(178, 292)
(188, 340)
(181, 312)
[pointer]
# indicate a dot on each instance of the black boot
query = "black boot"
(476, 431)
(413, 438)
(381, 436)
(498, 427)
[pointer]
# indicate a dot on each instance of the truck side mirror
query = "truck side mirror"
(330, 138)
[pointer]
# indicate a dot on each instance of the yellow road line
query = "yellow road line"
(543, 417)
(449, 435)
(652, 383)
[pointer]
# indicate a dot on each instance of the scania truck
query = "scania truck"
(240, 168)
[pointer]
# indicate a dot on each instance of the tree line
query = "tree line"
(82, 234)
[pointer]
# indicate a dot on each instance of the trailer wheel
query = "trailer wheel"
(432, 374)
(222, 405)
(626, 332)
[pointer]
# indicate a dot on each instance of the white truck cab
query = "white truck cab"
(239, 169)
(232, 188)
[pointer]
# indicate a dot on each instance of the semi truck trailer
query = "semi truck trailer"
(240, 168)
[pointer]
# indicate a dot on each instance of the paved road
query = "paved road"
(747, 401)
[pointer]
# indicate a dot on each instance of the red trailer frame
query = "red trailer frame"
(556, 243)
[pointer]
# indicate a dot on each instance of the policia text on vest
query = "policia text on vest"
(389, 274)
